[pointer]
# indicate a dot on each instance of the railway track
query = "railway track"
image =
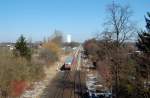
(71, 82)
(60, 90)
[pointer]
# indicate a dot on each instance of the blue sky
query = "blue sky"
(37, 19)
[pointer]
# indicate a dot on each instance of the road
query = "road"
(68, 84)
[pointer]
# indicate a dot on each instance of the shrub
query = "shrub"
(50, 51)
(15, 72)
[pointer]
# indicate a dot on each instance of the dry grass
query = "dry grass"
(17, 69)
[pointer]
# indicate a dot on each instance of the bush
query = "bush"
(16, 70)
(50, 51)
(48, 56)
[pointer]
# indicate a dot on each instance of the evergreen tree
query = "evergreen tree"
(21, 48)
(147, 19)
(144, 37)
(143, 68)
(144, 42)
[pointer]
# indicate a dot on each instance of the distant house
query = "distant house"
(11, 45)
(8, 45)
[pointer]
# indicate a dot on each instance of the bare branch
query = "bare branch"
(119, 23)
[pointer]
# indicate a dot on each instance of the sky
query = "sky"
(38, 19)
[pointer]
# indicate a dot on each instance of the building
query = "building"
(68, 38)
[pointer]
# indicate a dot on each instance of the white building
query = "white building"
(68, 38)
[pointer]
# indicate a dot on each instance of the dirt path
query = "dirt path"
(67, 84)
(40, 86)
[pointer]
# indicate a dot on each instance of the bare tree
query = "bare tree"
(119, 29)
(119, 23)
